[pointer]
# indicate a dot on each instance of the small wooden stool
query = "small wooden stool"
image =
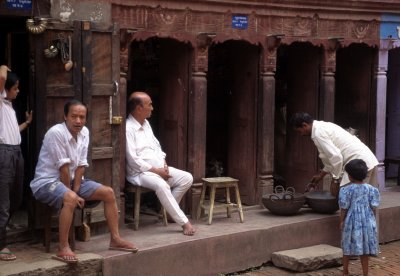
(220, 182)
(138, 190)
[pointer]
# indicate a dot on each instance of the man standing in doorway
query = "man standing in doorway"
(11, 159)
(59, 179)
(146, 165)
(336, 148)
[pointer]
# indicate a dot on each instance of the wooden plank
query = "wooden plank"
(102, 153)
(103, 89)
(66, 90)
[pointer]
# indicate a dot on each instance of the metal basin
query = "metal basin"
(322, 202)
(284, 203)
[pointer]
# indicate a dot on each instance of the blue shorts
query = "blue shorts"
(53, 193)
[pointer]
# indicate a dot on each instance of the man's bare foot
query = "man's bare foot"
(66, 255)
(122, 245)
(188, 229)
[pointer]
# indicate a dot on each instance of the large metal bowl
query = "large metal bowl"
(322, 202)
(284, 203)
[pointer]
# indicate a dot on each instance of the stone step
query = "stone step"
(308, 258)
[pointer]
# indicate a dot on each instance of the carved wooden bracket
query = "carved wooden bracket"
(271, 44)
(203, 42)
(331, 45)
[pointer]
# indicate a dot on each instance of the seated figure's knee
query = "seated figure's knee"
(109, 193)
(162, 187)
(189, 179)
(70, 199)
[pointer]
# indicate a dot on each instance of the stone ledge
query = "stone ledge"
(308, 258)
(89, 264)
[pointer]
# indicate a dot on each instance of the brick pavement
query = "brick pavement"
(386, 264)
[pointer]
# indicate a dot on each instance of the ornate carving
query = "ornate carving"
(302, 26)
(361, 29)
(203, 42)
(167, 17)
(184, 23)
(329, 61)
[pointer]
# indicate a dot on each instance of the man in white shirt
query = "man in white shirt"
(11, 159)
(59, 180)
(336, 148)
(146, 165)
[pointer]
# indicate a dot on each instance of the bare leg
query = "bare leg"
(345, 265)
(364, 264)
(106, 194)
(64, 222)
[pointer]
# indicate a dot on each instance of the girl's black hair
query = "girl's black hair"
(357, 169)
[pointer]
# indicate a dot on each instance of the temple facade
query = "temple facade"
(224, 76)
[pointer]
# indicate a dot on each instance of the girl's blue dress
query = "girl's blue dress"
(359, 235)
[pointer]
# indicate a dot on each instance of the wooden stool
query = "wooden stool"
(138, 190)
(220, 182)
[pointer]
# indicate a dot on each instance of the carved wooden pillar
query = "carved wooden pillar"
(267, 117)
(197, 121)
(379, 88)
(328, 68)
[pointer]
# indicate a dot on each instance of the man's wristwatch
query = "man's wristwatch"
(336, 181)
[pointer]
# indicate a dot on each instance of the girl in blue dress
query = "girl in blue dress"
(358, 202)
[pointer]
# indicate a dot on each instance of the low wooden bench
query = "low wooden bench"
(219, 182)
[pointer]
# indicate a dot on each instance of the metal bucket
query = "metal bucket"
(322, 202)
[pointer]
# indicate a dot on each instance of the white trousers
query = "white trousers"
(169, 192)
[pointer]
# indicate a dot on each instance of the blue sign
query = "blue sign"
(239, 22)
(390, 26)
(19, 4)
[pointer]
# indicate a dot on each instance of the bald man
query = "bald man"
(146, 165)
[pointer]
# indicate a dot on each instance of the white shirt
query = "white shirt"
(143, 151)
(59, 147)
(336, 147)
(9, 128)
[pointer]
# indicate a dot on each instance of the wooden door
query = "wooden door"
(242, 135)
(173, 101)
(354, 100)
(93, 80)
(302, 95)
(393, 110)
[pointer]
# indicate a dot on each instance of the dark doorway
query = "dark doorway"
(354, 100)
(393, 114)
(231, 114)
(14, 52)
(297, 89)
(161, 67)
